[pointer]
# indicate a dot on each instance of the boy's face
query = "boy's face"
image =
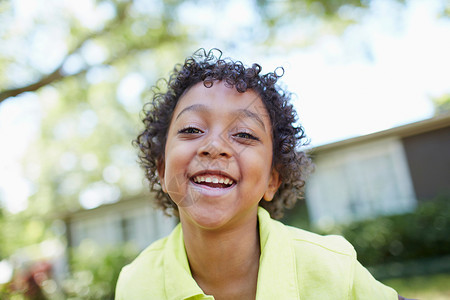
(218, 156)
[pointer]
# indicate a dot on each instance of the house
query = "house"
(387, 172)
(132, 220)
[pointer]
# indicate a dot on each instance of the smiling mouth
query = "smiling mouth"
(213, 181)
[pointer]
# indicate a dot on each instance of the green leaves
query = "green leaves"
(422, 234)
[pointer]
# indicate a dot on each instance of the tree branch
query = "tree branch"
(58, 74)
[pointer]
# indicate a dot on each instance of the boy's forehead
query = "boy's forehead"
(223, 97)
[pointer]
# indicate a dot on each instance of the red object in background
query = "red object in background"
(29, 282)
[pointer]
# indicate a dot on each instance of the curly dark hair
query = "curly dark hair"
(207, 67)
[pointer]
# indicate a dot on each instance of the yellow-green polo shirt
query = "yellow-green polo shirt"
(294, 264)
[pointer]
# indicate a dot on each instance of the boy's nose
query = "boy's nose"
(216, 147)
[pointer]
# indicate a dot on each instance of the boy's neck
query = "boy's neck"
(226, 263)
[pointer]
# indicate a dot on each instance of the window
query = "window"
(360, 182)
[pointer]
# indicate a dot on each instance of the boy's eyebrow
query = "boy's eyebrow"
(237, 113)
(194, 107)
(251, 115)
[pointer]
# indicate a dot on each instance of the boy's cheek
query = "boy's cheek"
(176, 187)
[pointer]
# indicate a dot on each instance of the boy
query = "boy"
(220, 150)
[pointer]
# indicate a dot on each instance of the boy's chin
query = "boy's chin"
(214, 218)
(205, 218)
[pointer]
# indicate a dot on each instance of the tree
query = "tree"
(118, 35)
(131, 28)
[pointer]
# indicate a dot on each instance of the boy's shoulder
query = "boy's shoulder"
(330, 260)
(330, 243)
(143, 277)
(150, 255)
(305, 242)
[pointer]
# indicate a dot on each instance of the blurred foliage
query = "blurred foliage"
(325, 8)
(280, 17)
(95, 270)
(297, 216)
(20, 230)
(442, 104)
(124, 30)
(434, 287)
(424, 233)
(30, 284)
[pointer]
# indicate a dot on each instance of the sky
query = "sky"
(379, 74)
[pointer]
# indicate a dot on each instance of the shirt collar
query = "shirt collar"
(277, 274)
(179, 283)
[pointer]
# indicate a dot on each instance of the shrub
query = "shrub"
(422, 234)
(94, 271)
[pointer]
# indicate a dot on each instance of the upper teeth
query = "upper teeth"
(213, 179)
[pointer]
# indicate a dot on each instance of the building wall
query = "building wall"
(428, 156)
(134, 221)
(360, 181)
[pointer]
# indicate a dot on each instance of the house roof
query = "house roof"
(434, 123)
(123, 204)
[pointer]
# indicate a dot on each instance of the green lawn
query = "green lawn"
(434, 287)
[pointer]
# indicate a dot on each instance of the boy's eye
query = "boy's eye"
(190, 130)
(245, 135)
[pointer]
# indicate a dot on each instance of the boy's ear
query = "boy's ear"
(273, 185)
(161, 166)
